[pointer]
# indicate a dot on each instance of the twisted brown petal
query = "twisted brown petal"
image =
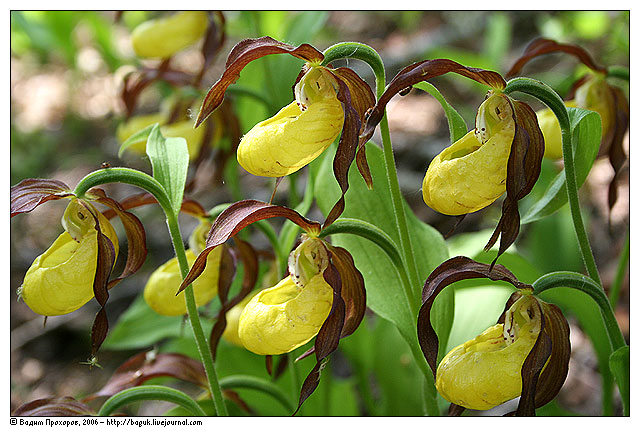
(523, 170)
(236, 217)
(53, 407)
(243, 53)
(617, 156)
(29, 193)
(544, 46)
(423, 71)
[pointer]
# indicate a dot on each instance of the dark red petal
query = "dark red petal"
(30, 193)
(447, 273)
(523, 170)
(346, 152)
(189, 206)
(423, 71)
(53, 407)
(544, 46)
(249, 258)
(236, 217)
(243, 53)
(617, 156)
(329, 336)
(353, 290)
(144, 366)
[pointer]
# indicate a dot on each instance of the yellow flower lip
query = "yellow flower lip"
(284, 317)
(161, 38)
(471, 173)
(486, 371)
(298, 133)
(61, 279)
(160, 290)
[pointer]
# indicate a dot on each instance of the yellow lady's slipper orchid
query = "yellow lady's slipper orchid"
(288, 315)
(486, 371)
(233, 321)
(299, 133)
(284, 317)
(61, 279)
(161, 38)
(471, 173)
(160, 290)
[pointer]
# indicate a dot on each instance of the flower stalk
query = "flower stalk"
(548, 96)
(150, 184)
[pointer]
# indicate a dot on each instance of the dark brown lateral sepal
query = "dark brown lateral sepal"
(53, 407)
(243, 53)
(30, 193)
(423, 71)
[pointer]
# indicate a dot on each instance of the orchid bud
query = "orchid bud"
(471, 173)
(233, 321)
(61, 279)
(163, 284)
(486, 371)
(298, 133)
(161, 38)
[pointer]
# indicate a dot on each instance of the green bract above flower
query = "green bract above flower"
(525, 354)
(327, 101)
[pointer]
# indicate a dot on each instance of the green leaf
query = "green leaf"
(457, 125)
(140, 136)
(170, 161)
(139, 327)
(384, 290)
(619, 365)
(587, 131)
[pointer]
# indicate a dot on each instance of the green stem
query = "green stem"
(150, 184)
(370, 56)
(150, 392)
(251, 93)
(259, 384)
(614, 294)
(618, 72)
(295, 380)
(374, 234)
(594, 290)
(548, 96)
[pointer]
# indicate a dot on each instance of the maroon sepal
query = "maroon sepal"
(544, 46)
(423, 71)
(243, 53)
(455, 410)
(249, 258)
(617, 156)
(236, 217)
(213, 41)
(329, 335)
(30, 193)
(53, 407)
(190, 207)
(447, 273)
(146, 365)
(523, 170)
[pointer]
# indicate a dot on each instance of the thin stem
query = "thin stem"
(594, 290)
(618, 72)
(150, 184)
(614, 294)
(250, 93)
(547, 95)
(150, 392)
(259, 384)
(370, 56)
